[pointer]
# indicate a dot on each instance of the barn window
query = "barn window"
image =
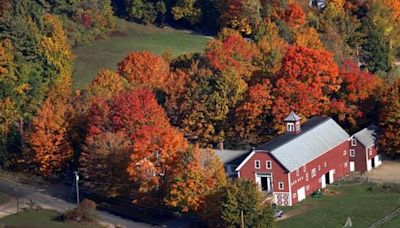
(353, 142)
(280, 185)
(313, 172)
(257, 164)
(269, 165)
(290, 127)
(352, 153)
(344, 152)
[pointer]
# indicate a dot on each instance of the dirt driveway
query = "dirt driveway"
(389, 171)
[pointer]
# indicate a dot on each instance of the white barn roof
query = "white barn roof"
(319, 135)
(367, 136)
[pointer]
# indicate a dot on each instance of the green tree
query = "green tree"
(244, 196)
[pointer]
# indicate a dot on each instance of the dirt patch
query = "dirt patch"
(389, 171)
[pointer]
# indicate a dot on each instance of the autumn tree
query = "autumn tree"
(48, 135)
(106, 84)
(145, 69)
(309, 38)
(252, 117)
(200, 175)
(155, 144)
(294, 15)
(357, 91)
(389, 120)
(240, 15)
(272, 48)
(231, 51)
(307, 80)
(104, 161)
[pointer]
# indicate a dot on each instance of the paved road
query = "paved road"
(52, 200)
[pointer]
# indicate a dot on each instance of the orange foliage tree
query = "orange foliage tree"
(48, 135)
(307, 80)
(145, 69)
(294, 15)
(106, 84)
(253, 115)
(203, 174)
(309, 38)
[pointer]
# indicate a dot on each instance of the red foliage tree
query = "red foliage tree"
(307, 80)
(232, 51)
(389, 120)
(156, 145)
(294, 15)
(356, 89)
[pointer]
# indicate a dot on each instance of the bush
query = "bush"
(84, 213)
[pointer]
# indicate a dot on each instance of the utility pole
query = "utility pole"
(17, 195)
(242, 218)
(77, 187)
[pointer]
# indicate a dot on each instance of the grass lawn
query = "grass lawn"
(109, 52)
(4, 197)
(352, 200)
(39, 219)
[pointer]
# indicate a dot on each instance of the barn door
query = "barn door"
(323, 181)
(352, 166)
(301, 194)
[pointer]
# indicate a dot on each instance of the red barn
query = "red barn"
(364, 154)
(295, 164)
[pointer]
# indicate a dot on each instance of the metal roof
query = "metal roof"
(367, 136)
(292, 117)
(233, 157)
(318, 136)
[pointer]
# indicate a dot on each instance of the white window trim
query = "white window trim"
(255, 164)
(281, 185)
(313, 172)
(353, 142)
(352, 153)
(268, 164)
(290, 127)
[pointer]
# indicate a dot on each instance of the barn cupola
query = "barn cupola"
(292, 122)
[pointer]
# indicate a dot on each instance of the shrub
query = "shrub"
(84, 213)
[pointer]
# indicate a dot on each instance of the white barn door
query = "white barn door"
(301, 194)
(323, 181)
(352, 166)
(331, 180)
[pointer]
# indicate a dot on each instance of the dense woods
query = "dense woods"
(142, 131)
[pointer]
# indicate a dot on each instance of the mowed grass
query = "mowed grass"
(4, 197)
(39, 219)
(109, 52)
(364, 207)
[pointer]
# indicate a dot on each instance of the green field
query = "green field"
(364, 207)
(39, 219)
(109, 52)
